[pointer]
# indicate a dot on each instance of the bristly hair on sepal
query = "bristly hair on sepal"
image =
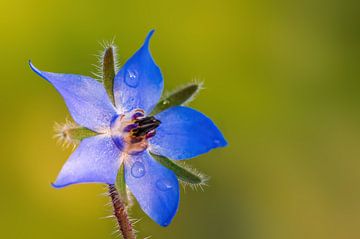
(70, 133)
(198, 86)
(62, 134)
(180, 96)
(98, 73)
(187, 175)
(204, 179)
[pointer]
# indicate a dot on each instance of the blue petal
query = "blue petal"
(96, 160)
(85, 98)
(139, 83)
(185, 133)
(155, 187)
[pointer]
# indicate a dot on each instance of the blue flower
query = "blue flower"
(126, 133)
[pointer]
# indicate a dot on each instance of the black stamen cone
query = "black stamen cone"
(145, 125)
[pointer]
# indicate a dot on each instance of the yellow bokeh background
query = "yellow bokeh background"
(281, 82)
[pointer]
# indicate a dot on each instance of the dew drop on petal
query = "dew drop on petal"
(138, 170)
(164, 185)
(132, 78)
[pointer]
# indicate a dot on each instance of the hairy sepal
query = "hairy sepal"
(69, 133)
(181, 96)
(186, 174)
(121, 186)
(108, 71)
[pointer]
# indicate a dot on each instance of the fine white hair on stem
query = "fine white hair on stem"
(124, 225)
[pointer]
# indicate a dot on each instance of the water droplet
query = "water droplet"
(164, 184)
(138, 170)
(132, 78)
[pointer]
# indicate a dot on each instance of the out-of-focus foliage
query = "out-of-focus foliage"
(281, 82)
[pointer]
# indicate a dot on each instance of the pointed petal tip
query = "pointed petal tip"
(36, 70)
(59, 183)
(57, 186)
(223, 143)
(32, 66)
(151, 32)
(148, 38)
(220, 141)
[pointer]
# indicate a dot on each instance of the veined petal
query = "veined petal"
(139, 82)
(85, 98)
(155, 187)
(185, 133)
(96, 160)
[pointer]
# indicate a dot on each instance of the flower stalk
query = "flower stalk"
(120, 212)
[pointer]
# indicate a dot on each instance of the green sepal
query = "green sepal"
(70, 133)
(80, 133)
(120, 184)
(184, 173)
(108, 72)
(178, 97)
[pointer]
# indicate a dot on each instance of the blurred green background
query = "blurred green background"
(282, 82)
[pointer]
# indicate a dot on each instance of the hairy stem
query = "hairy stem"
(120, 212)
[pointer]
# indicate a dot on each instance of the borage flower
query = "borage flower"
(127, 134)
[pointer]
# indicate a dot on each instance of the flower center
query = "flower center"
(130, 132)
